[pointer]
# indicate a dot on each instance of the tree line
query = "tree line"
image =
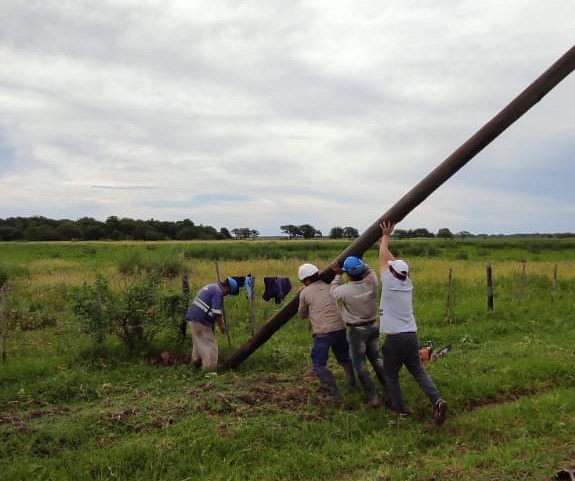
(40, 228)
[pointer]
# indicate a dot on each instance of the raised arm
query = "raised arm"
(384, 254)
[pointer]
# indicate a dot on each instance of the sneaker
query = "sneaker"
(440, 411)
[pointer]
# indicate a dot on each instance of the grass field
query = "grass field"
(509, 379)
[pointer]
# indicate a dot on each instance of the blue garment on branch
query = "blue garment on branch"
(249, 286)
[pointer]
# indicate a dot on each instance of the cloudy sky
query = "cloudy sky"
(259, 113)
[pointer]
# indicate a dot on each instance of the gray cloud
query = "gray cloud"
(252, 113)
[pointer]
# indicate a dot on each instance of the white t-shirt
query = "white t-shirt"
(395, 305)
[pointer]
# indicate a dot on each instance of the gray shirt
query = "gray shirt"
(396, 305)
(359, 298)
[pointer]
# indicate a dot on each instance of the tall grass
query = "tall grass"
(509, 379)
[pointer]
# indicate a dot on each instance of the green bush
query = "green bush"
(134, 314)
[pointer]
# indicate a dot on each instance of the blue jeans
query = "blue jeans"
(321, 345)
(403, 350)
(364, 346)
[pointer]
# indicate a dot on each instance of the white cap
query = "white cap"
(399, 266)
(306, 270)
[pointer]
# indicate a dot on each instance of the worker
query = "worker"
(205, 311)
(397, 322)
(358, 299)
(328, 328)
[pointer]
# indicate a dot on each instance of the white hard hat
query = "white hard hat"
(306, 270)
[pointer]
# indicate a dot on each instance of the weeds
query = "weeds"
(67, 414)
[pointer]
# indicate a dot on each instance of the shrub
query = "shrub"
(134, 314)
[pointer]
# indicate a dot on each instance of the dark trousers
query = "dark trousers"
(335, 341)
(364, 347)
(403, 350)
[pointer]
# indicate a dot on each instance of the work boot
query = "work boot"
(440, 411)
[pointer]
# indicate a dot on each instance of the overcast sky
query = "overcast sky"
(261, 113)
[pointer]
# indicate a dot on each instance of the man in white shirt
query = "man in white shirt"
(397, 323)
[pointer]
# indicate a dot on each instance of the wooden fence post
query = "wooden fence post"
(3, 321)
(489, 288)
(223, 311)
(449, 301)
(554, 290)
(523, 280)
(253, 306)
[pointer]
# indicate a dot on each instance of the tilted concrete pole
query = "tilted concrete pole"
(515, 109)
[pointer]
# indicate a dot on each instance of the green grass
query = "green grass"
(509, 382)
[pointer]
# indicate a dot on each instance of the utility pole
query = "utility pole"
(469, 149)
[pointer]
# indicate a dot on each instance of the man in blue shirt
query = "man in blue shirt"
(204, 312)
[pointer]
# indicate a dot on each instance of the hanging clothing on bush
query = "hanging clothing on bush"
(249, 286)
(240, 280)
(276, 288)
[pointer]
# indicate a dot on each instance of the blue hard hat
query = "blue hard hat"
(234, 287)
(353, 266)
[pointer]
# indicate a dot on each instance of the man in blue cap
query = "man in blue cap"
(359, 311)
(203, 314)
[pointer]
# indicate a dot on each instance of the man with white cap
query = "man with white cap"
(397, 322)
(316, 304)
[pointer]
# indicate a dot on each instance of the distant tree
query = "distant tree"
(400, 233)
(293, 231)
(8, 233)
(187, 233)
(41, 232)
(69, 230)
(463, 234)
(146, 233)
(420, 233)
(308, 231)
(207, 232)
(350, 233)
(245, 233)
(225, 233)
(115, 228)
(168, 230)
(92, 229)
(444, 233)
(336, 233)
(185, 230)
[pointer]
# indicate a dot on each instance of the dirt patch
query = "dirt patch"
(252, 396)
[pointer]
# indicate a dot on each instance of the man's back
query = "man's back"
(359, 298)
(316, 303)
